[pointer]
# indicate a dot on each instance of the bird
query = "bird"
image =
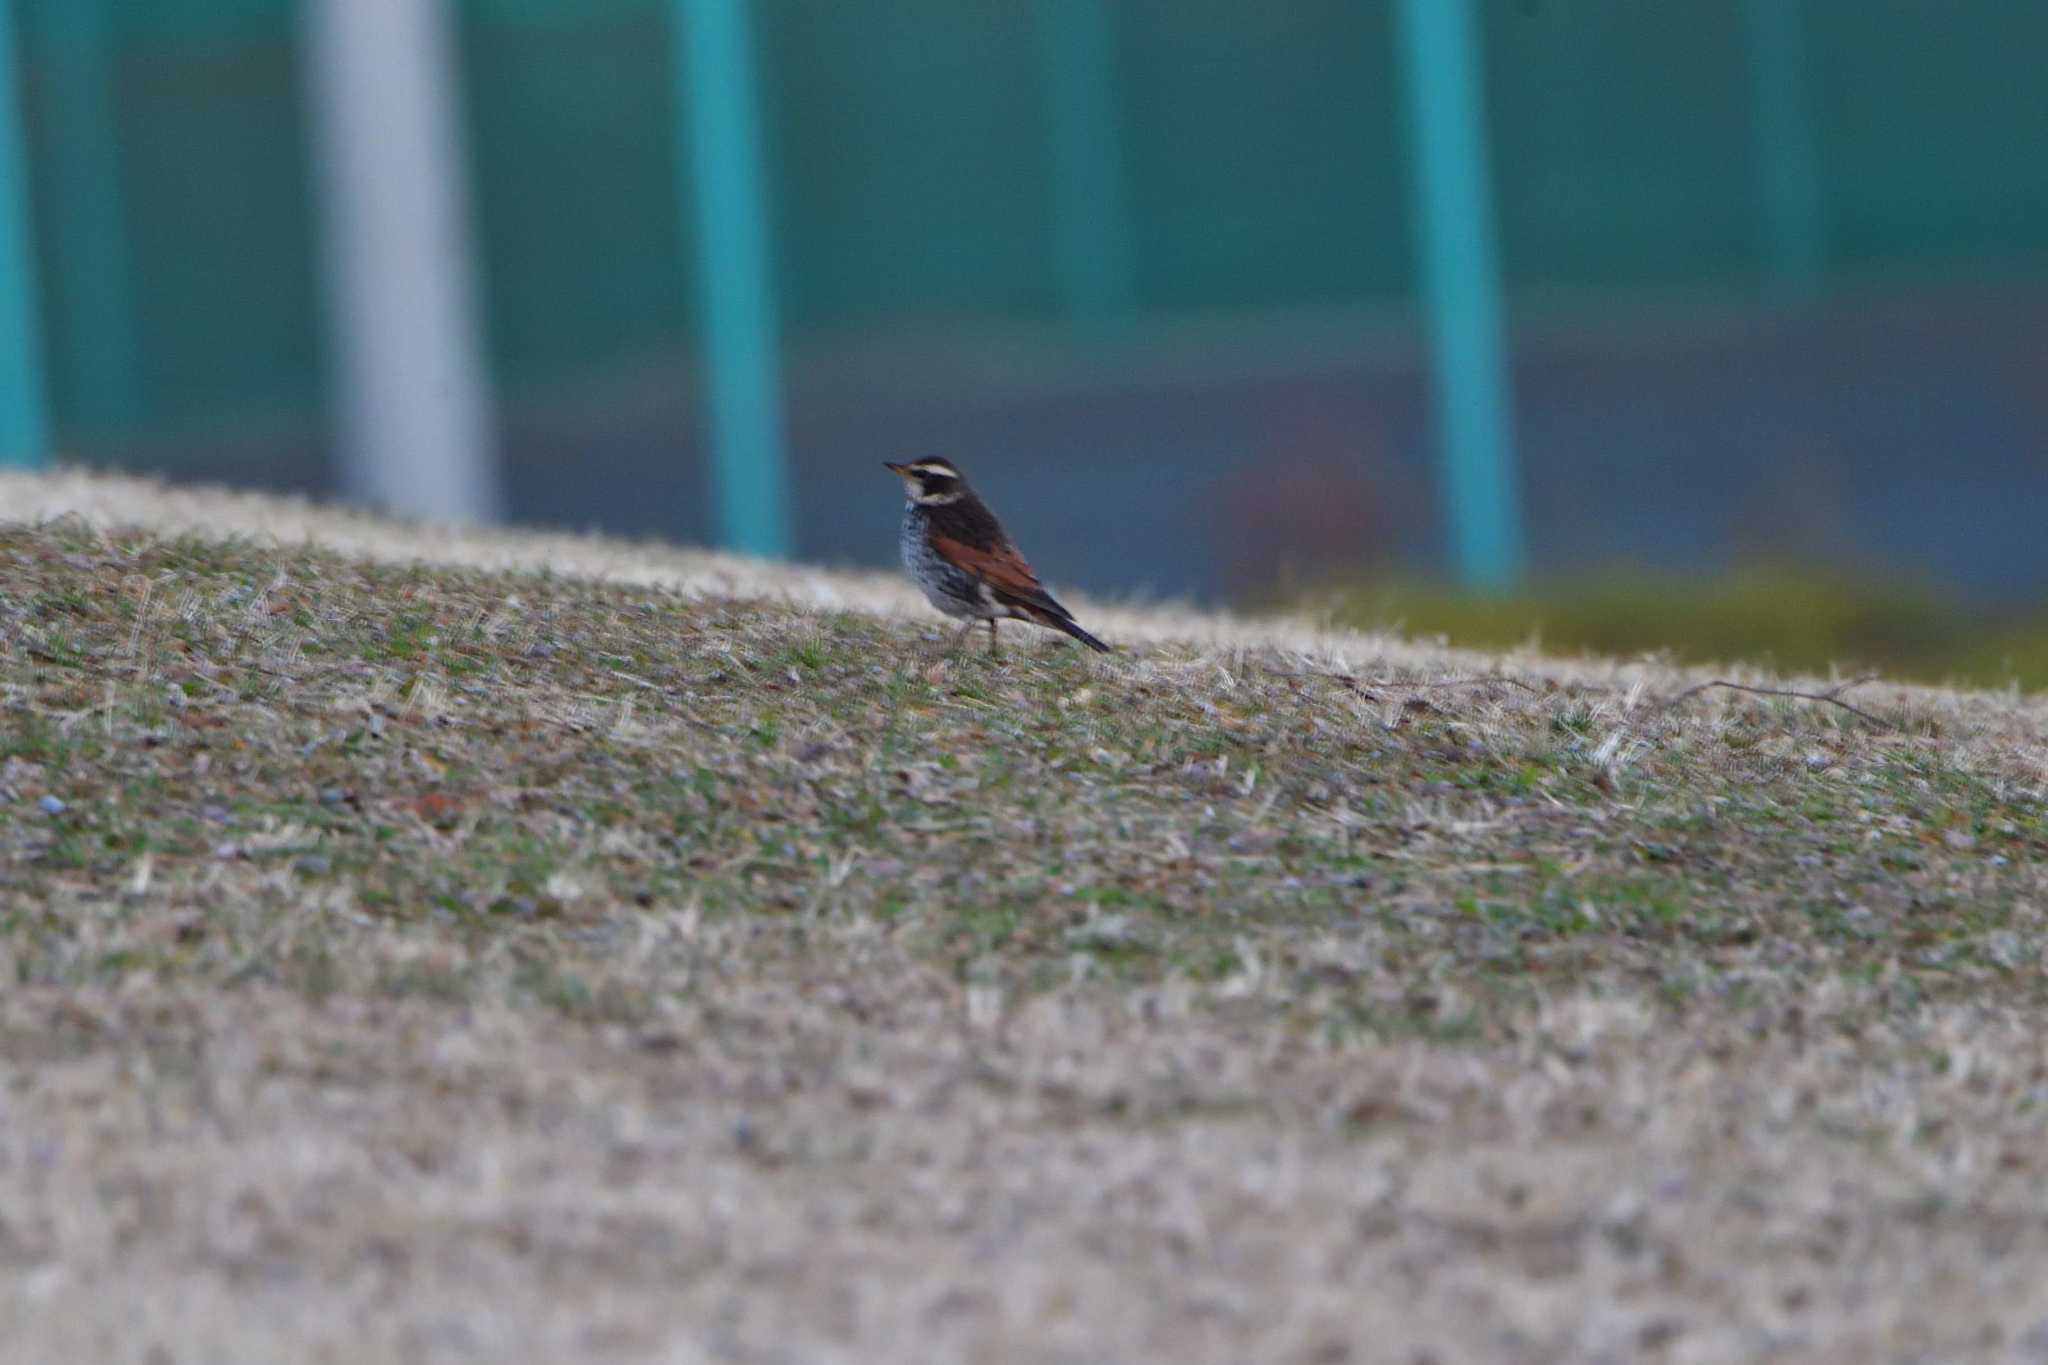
(967, 565)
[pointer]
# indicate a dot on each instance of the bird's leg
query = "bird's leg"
(991, 637)
(959, 636)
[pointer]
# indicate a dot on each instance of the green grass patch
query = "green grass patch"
(1789, 618)
(225, 762)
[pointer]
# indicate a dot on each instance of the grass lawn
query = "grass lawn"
(1790, 616)
(444, 963)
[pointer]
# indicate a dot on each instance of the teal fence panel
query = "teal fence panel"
(196, 303)
(24, 415)
(912, 163)
(1265, 152)
(916, 176)
(1621, 140)
(1934, 129)
(586, 263)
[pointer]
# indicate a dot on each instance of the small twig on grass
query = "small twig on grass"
(1354, 685)
(636, 681)
(1833, 697)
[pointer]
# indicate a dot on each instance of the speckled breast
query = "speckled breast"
(951, 591)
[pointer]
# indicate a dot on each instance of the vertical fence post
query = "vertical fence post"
(714, 68)
(1462, 290)
(24, 419)
(418, 434)
(1090, 221)
(99, 386)
(1784, 145)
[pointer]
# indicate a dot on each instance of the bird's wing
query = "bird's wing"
(998, 564)
(1001, 567)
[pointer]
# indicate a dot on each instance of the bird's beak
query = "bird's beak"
(901, 471)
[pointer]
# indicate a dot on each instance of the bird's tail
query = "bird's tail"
(1042, 608)
(1066, 623)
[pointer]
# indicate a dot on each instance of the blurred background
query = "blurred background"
(1719, 326)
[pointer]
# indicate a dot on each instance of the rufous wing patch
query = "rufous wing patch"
(999, 566)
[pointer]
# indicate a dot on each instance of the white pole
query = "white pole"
(412, 395)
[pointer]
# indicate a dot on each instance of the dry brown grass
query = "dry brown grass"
(673, 958)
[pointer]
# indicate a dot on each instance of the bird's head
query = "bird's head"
(929, 482)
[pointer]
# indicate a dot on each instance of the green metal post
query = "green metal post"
(714, 67)
(24, 421)
(1784, 145)
(100, 385)
(1091, 227)
(1462, 290)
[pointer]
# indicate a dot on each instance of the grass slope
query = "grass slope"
(413, 962)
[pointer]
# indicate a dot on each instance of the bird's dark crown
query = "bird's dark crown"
(930, 480)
